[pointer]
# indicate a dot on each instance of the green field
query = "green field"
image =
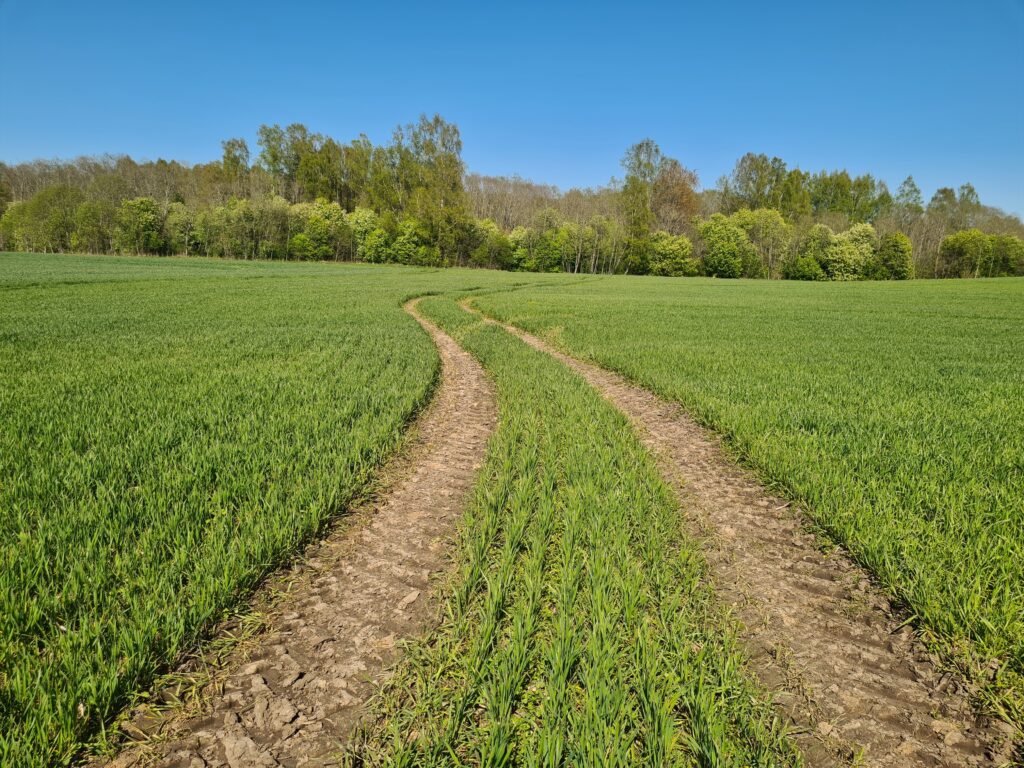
(172, 430)
(581, 629)
(893, 412)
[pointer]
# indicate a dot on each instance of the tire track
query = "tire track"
(855, 685)
(297, 696)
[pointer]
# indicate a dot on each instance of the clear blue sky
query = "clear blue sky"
(551, 91)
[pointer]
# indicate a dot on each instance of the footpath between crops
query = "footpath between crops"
(294, 694)
(846, 672)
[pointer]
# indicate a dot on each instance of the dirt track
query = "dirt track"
(852, 682)
(292, 697)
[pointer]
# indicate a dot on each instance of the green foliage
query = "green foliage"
(758, 181)
(891, 413)
(843, 260)
(494, 249)
(94, 222)
(235, 158)
(238, 208)
(12, 224)
(540, 247)
(139, 227)
(726, 250)
(770, 235)
(45, 223)
(1007, 256)
(6, 196)
(864, 239)
(301, 248)
(815, 242)
(894, 259)
(972, 253)
(966, 254)
(671, 256)
(362, 222)
(323, 231)
(424, 168)
(850, 253)
(803, 268)
(181, 226)
(854, 254)
(377, 246)
(641, 163)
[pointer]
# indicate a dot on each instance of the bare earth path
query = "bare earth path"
(294, 699)
(853, 684)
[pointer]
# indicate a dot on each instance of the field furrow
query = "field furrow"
(848, 675)
(291, 695)
(580, 630)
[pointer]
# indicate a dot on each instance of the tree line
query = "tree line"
(307, 196)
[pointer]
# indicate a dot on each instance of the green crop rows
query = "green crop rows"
(895, 413)
(579, 629)
(170, 431)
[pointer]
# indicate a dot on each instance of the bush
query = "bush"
(965, 254)
(301, 247)
(12, 224)
(670, 256)
(850, 253)
(770, 235)
(726, 248)
(843, 261)
(376, 246)
(46, 222)
(140, 227)
(326, 227)
(803, 268)
(815, 242)
(1007, 255)
(894, 259)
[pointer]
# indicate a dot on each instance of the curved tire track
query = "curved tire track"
(299, 695)
(853, 682)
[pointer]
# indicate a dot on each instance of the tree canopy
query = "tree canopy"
(305, 195)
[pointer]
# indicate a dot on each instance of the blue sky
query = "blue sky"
(552, 91)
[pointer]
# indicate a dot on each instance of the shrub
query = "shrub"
(726, 248)
(12, 224)
(670, 256)
(770, 235)
(843, 261)
(965, 254)
(376, 245)
(301, 247)
(803, 268)
(850, 253)
(815, 242)
(893, 260)
(1007, 255)
(140, 227)
(46, 222)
